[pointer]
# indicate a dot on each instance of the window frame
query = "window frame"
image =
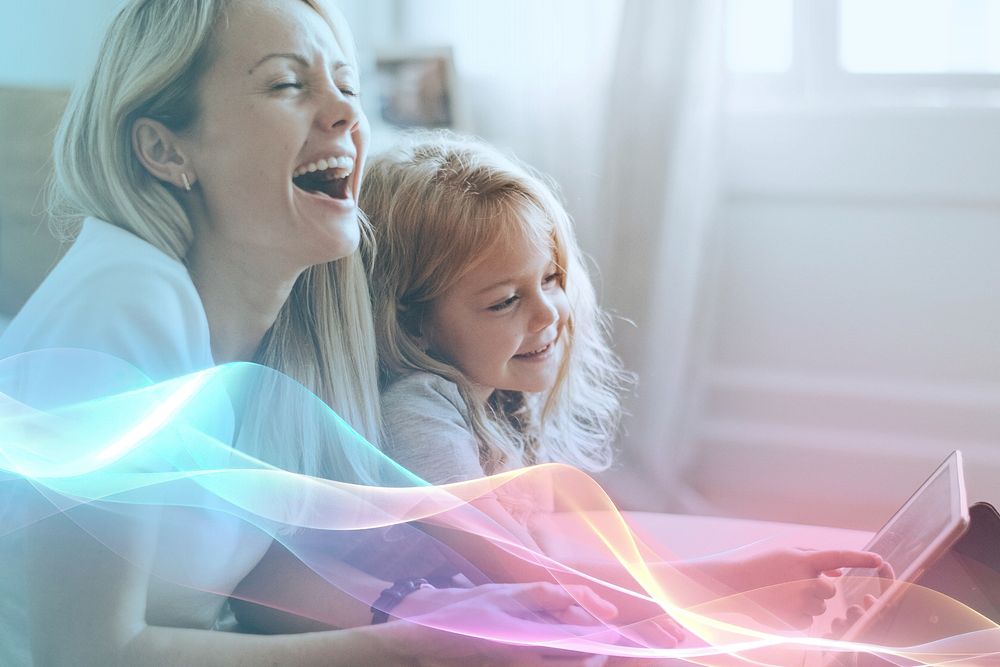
(817, 78)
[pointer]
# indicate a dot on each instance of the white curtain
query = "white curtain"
(659, 190)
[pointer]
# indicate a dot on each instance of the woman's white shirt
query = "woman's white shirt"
(117, 294)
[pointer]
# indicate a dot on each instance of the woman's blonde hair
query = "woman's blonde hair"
(152, 58)
(438, 202)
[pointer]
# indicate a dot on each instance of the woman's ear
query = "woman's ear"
(160, 153)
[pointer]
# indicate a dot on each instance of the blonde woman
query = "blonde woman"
(494, 355)
(217, 152)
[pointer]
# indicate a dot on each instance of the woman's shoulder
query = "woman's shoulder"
(102, 250)
(115, 293)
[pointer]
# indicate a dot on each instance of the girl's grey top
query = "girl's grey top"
(428, 429)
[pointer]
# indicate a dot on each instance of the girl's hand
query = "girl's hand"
(793, 585)
(840, 625)
(515, 610)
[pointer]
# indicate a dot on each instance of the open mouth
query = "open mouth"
(330, 177)
(534, 354)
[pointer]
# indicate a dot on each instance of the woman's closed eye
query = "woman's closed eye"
(287, 84)
(554, 277)
(298, 84)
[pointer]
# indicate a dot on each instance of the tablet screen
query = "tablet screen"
(916, 535)
(968, 573)
(908, 534)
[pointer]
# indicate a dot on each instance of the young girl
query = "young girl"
(494, 354)
(493, 351)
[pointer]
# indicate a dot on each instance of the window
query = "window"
(759, 35)
(937, 36)
(889, 49)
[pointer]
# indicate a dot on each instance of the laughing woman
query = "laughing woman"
(216, 153)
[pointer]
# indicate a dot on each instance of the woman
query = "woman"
(218, 151)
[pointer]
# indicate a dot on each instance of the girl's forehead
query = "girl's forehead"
(525, 223)
(515, 258)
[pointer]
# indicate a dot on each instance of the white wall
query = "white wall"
(851, 328)
(52, 43)
(533, 78)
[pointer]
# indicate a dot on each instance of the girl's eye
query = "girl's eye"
(284, 85)
(552, 277)
(505, 304)
(349, 92)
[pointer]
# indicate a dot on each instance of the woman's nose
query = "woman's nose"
(338, 111)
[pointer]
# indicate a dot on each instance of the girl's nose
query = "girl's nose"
(545, 313)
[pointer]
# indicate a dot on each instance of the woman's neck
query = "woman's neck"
(241, 293)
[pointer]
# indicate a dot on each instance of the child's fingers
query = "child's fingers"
(839, 625)
(814, 606)
(824, 588)
(823, 561)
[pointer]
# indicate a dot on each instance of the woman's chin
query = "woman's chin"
(340, 238)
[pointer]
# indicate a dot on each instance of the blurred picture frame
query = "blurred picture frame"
(416, 87)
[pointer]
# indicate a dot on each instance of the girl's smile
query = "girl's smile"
(542, 354)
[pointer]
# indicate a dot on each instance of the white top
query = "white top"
(117, 294)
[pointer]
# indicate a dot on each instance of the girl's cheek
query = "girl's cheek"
(563, 307)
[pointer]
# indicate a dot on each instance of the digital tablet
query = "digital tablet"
(969, 573)
(919, 533)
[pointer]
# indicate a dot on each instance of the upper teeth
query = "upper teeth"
(342, 166)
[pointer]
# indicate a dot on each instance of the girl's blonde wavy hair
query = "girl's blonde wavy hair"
(438, 202)
(153, 55)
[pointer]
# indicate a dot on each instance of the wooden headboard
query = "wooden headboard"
(28, 118)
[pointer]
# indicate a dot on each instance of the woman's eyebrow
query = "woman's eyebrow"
(300, 59)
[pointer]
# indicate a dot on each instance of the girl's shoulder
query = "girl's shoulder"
(423, 392)
(427, 429)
